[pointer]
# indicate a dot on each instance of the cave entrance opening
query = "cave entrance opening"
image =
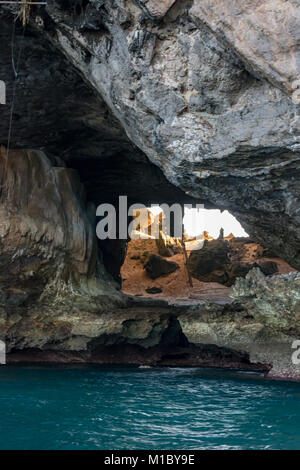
(156, 267)
(159, 267)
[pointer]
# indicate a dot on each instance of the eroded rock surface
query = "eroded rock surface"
(204, 89)
(274, 300)
(263, 322)
(49, 260)
(265, 34)
(157, 8)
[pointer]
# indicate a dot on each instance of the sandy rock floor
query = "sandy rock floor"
(175, 286)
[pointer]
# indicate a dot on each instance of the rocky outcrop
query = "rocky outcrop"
(272, 300)
(211, 263)
(224, 261)
(168, 246)
(206, 334)
(138, 335)
(263, 322)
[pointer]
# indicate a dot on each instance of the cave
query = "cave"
(100, 108)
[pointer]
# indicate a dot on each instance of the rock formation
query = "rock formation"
(164, 101)
(49, 261)
(224, 261)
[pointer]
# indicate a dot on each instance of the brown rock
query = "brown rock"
(168, 246)
(211, 262)
(224, 261)
(157, 266)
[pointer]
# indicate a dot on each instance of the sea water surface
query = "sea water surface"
(90, 407)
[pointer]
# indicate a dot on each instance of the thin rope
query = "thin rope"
(12, 49)
(16, 74)
(16, 71)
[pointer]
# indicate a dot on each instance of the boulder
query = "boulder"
(224, 261)
(210, 264)
(157, 266)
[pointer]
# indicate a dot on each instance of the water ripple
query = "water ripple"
(87, 407)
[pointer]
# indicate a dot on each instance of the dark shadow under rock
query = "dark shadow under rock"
(154, 290)
(157, 266)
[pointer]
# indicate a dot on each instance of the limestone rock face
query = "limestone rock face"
(43, 214)
(265, 34)
(199, 97)
(273, 300)
(81, 335)
(49, 260)
(263, 322)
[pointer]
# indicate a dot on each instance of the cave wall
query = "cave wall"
(56, 112)
(48, 240)
(216, 113)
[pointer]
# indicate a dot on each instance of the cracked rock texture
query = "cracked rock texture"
(49, 262)
(263, 321)
(264, 34)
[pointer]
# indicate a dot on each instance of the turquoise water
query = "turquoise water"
(89, 407)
